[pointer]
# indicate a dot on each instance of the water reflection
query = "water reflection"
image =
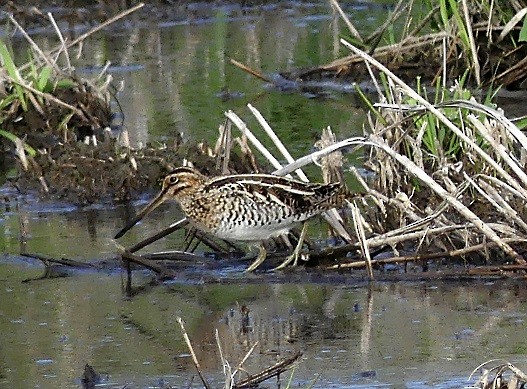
(173, 73)
(413, 335)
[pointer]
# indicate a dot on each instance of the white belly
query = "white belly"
(251, 233)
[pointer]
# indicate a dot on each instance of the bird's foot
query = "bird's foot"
(258, 261)
(296, 253)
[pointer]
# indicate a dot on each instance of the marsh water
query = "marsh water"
(177, 79)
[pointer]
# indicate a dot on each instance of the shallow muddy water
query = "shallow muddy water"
(177, 80)
(386, 335)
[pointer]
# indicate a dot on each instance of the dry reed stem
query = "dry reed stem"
(361, 238)
(193, 354)
(253, 139)
(35, 47)
(346, 20)
(82, 37)
(508, 211)
(229, 378)
(270, 372)
(520, 15)
(512, 129)
(472, 44)
(62, 41)
(407, 45)
(376, 36)
(276, 140)
(314, 156)
(47, 96)
(223, 147)
(500, 149)
(517, 380)
(434, 256)
(470, 216)
(404, 234)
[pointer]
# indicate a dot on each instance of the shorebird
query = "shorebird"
(245, 207)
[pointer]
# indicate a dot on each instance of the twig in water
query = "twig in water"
(162, 271)
(170, 229)
(270, 372)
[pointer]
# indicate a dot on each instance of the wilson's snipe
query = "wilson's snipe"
(245, 207)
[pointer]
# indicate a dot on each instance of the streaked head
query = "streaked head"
(182, 182)
(178, 185)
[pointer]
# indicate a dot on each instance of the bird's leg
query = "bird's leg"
(296, 252)
(259, 259)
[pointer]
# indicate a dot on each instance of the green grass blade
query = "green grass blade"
(523, 31)
(65, 83)
(12, 71)
(43, 79)
(13, 138)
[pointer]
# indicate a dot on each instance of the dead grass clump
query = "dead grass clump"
(450, 179)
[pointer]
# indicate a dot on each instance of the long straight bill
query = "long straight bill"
(158, 200)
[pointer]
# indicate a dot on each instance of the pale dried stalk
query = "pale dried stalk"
(193, 354)
(508, 210)
(413, 258)
(253, 139)
(222, 149)
(514, 132)
(344, 17)
(499, 148)
(413, 169)
(82, 37)
(278, 143)
(21, 153)
(400, 235)
(473, 49)
(314, 156)
(227, 371)
(62, 42)
(244, 359)
(511, 24)
(361, 237)
(47, 96)
(470, 216)
(408, 44)
(34, 45)
(503, 185)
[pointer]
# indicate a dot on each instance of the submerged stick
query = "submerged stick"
(247, 69)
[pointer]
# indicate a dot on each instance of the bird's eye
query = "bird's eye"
(172, 179)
